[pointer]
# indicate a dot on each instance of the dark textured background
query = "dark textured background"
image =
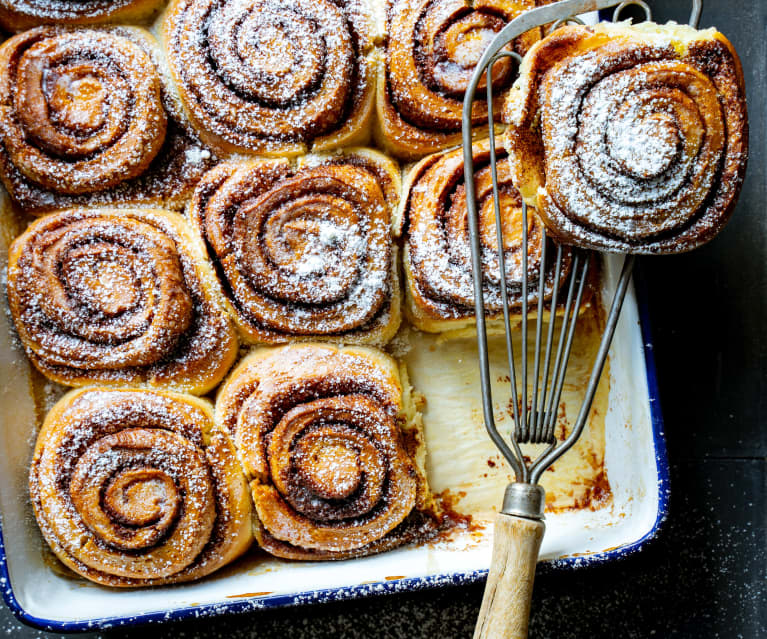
(705, 574)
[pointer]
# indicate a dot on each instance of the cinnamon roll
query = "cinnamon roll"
(432, 49)
(119, 296)
(136, 487)
(302, 254)
(437, 259)
(88, 117)
(267, 76)
(331, 442)
(16, 15)
(630, 138)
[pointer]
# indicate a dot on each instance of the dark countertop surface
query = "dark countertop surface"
(705, 574)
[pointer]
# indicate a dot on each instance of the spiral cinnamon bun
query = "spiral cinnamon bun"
(88, 117)
(137, 488)
(302, 254)
(432, 49)
(332, 445)
(266, 76)
(630, 138)
(119, 296)
(16, 15)
(437, 260)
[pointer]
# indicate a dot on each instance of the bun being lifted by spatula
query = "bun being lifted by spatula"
(630, 139)
(626, 139)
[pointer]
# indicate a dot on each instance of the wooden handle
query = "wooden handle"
(505, 608)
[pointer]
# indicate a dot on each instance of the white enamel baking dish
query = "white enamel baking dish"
(635, 462)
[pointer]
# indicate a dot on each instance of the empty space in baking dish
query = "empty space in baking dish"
(50, 596)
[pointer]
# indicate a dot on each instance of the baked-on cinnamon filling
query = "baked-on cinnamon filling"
(642, 141)
(438, 254)
(301, 253)
(133, 488)
(433, 47)
(323, 436)
(119, 296)
(273, 76)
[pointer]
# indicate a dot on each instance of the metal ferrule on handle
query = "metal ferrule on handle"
(524, 500)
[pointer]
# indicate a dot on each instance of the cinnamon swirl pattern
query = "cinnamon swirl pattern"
(119, 296)
(385, 170)
(136, 488)
(643, 135)
(432, 49)
(332, 445)
(302, 254)
(267, 76)
(88, 117)
(437, 260)
(16, 15)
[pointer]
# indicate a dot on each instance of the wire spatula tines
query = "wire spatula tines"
(519, 526)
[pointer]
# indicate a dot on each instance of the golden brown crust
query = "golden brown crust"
(437, 260)
(304, 79)
(119, 296)
(630, 138)
(16, 15)
(135, 488)
(432, 48)
(89, 117)
(321, 433)
(301, 254)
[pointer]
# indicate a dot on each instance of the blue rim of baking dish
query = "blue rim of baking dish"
(400, 585)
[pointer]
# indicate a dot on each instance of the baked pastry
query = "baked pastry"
(432, 48)
(136, 488)
(274, 77)
(439, 288)
(119, 296)
(89, 117)
(630, 138)
(302, 254)
(16, 15)
(331, 441)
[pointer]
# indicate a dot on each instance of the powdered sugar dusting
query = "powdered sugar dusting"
(312, 256)
(168, 332)
(438, 247)
(50, 11)
(249, 82)
(641, 150)
(126, 446)
(431, 55)
(159, 170)
(317, 431)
